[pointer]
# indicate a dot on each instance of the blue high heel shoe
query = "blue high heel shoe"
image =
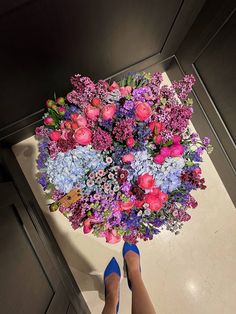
(126, 248)
(112, 267)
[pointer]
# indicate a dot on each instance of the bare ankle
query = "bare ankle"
(134, 274)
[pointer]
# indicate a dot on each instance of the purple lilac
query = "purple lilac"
(123, 129)
(184, 86)
(101, 139)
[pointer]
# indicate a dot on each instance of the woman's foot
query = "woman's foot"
(132, 260)
(111, 283)
(112, 288)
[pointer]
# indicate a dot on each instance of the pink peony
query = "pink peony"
(112, 237)
(146, 181)
(130, 142)
(108, 111)
(139, 203)
(157, 139)
(113, 86)
(156, 191)
(143, 111)
(60, 101)
(48, 121)
(128, 158)
(159, 159)
(197, 171)
(165, 151)
(176, 139)
(92, 113)
(61, 110)
(125, 91)
(155, 126)
(153, 200)
(126, 205)
(163, 196)
(83, 136)
(81, 120)
(87, 226)
(55, 135)
(176, 150)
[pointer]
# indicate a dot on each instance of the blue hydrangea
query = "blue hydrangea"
(69, 169)
(167, 175)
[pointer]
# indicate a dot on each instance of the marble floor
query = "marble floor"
(193, 272)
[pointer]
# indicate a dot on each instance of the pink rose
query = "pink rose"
(113, 86)
(163, 196)
(64, 134)
(176, 139)
(61, 110)
(128, 158)
(81, 120)
(155, 126)
(49, 103)
(153, 200)
(74, 125)
(74, 116)
(67, 124)
(83, 136)
(130, 142)
(197, 171)
(112, 237)
(146, 181)
(176, 150)
(159, 159)
(92, 113)
(125, 91)
(55, 135)
(108, 111)
(139, 203)
(96, 102)
(126, 205)
(60, 101)
(87, 226)
(48, 121)
(165, 151)
(142, 111)
(156, 191)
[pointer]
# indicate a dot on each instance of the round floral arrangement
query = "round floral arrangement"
(119, 160)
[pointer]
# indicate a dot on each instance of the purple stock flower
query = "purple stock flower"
(206, 141)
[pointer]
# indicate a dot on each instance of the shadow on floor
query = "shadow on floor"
(81, 268)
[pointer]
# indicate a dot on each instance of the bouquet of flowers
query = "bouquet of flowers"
(119, 160)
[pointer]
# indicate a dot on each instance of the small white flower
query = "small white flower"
(145, 205)
(147, 212)
(110, 176)
(109, 160)
(90, 183)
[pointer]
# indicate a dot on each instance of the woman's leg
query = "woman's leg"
(141, 303)
(112, 289)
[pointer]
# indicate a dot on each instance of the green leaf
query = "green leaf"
(189, 101)
(189, 163)
(163, 101)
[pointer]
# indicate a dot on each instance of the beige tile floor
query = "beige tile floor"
(193, 272)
